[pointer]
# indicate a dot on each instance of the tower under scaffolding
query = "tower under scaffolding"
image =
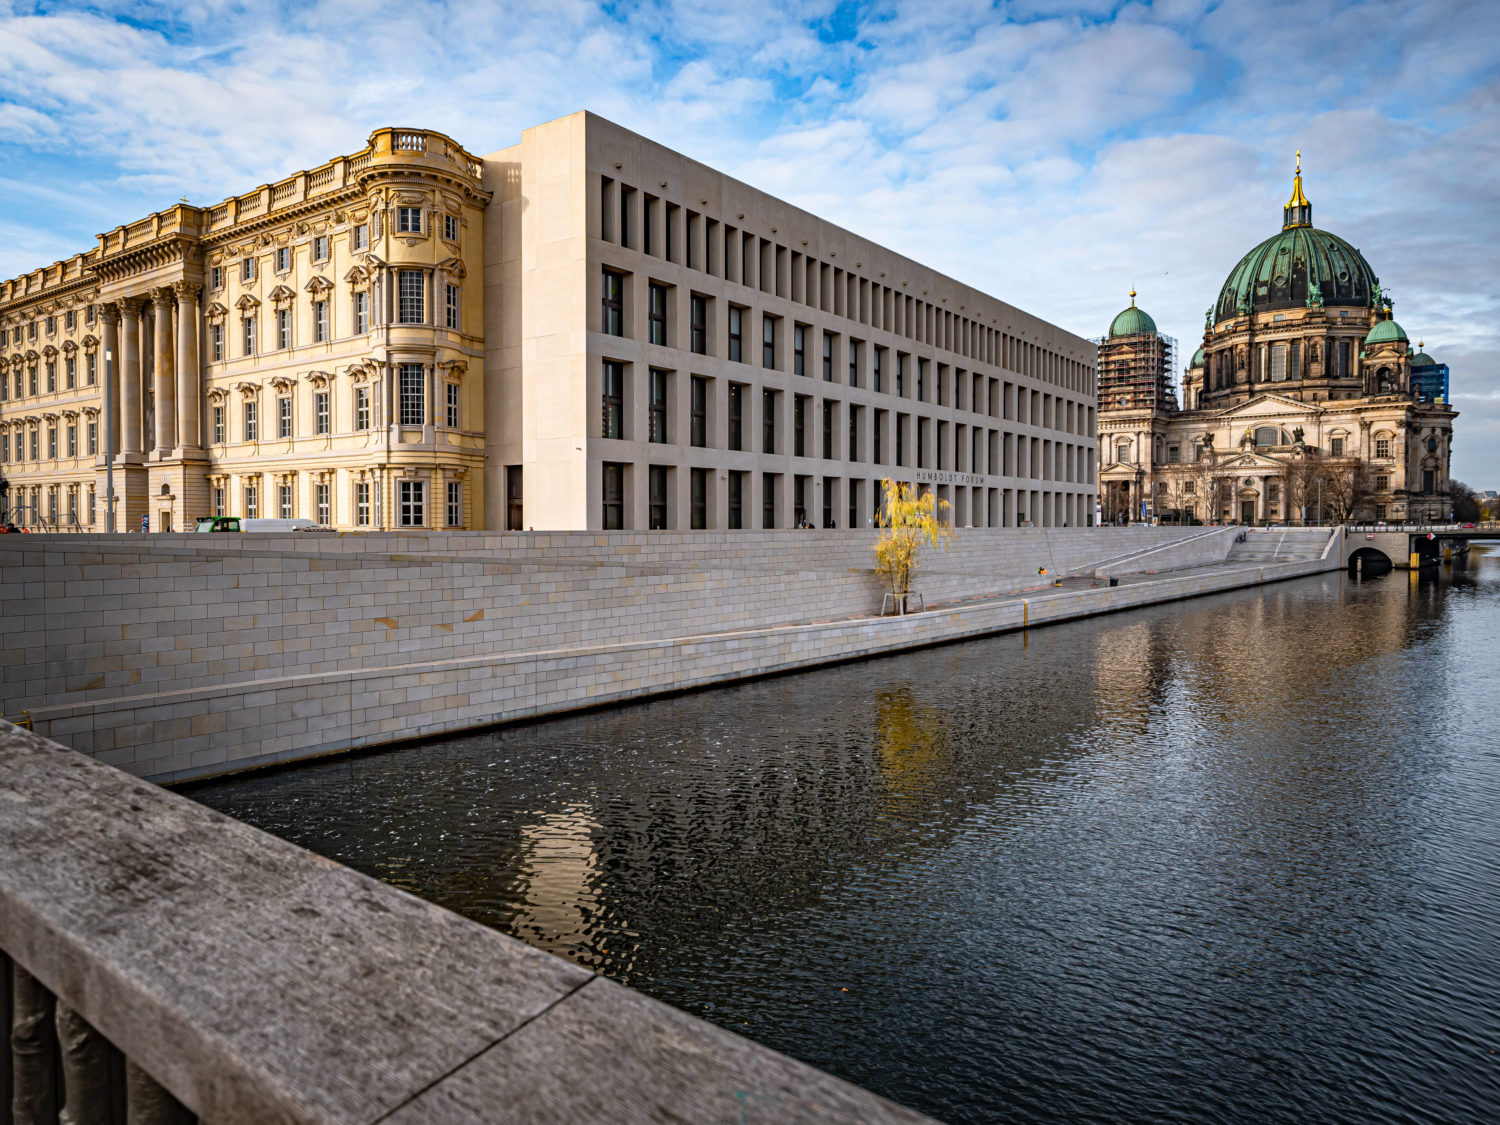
(1137, 372)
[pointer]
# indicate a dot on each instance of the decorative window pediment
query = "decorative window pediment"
(454, 370)
(454, 268)
(319, 379)
(215, 312)
(361, 372)
(283, 382)
(358, 277)
(91, 412)
(248, 390)
(69, 347)
(281, 296)
(247, 304)
(31, 356)
(217, 394)
(318, 286)
(50, 352)
(70, 415)
(90, 342)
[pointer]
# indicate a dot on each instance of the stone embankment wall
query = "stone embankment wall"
(183, 656)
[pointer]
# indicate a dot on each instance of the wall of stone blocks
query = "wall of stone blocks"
(172, 657)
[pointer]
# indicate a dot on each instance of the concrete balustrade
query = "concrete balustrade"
(187, 964)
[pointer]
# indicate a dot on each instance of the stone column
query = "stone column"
(109, 315)
(189, 375)
(163, 376)
(129, 360)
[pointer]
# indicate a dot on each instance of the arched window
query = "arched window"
(1267, 436)
(1122, 453)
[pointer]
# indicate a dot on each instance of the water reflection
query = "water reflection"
(1230, 859)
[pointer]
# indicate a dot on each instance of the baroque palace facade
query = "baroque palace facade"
(1306, 400)
(584, 330)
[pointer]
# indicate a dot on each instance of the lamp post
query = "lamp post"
(109, 441)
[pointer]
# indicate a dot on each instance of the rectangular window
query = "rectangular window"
(31, 372)
(921, 380)
(216, 277)
(656, 495)
(698, 502)
(361, 313)
(900, 374)
(93, 369)
(249, 335)
(699, 409)
(699, 306)
(736, 416)
(52, 443)
(320, 248)
(412, 284)
(612, 389)
(218, 500)
(768, 421)
(854, 412)
(613, 494)
(70, 371)
(768, 342)
(1382, 483)
(283, 259)
(657, 323)
(455, 505)
(1336, 447)
(362, 504)
(799, 426)
(451, 414)
(736, 513)
(359, 237)
(768, 500)
(1382, 447)
(284, 501)
(323, 499)
(613, 318)
(72, 439)
(252, 501)
(320, 321)
(284, 416)
(1294, 360)
(247, 270)
(413, 394)
(216, 343)
(450, 306)
(412, 501)
(1343, 354)
(829, 410)
(218, 426)
(283, 328)
(36, 444)
(51, 375)
(252, 423)
(656, 415)
(736, 333)
(70, 320)
(361, 408)
(854, 363)
(320, 412)
(450, 227)
(1278, 363)
(515, 498)
(827, 357)
(93, 438)
(408, 220)
(799, 350)
(876, 381)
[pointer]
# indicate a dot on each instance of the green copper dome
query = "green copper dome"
(1280, 274)
(1132, 321)
(1422, 359)
(1197, 360)
(1386, 332)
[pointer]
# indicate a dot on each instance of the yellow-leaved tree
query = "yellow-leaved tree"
(909, 521)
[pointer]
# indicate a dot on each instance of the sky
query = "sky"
(1051, 154)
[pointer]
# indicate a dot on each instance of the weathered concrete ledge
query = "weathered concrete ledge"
(295, 717)
(255, 981)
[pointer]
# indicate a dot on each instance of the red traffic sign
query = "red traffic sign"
(1430, 535)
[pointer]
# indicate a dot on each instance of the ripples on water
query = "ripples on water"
(1229, 859)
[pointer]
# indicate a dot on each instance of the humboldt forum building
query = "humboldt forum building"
(585, 330)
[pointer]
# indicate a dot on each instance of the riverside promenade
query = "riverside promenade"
(177, 657)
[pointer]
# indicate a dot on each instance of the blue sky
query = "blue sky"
(1052, 154)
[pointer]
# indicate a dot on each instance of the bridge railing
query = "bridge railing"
(166, 961)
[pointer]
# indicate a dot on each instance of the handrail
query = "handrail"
(245, 979)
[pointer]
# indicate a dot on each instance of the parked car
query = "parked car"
(236, 523)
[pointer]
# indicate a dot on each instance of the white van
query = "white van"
(281, 525)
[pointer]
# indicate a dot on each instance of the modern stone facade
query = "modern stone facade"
(580, 331)
(1306, 400)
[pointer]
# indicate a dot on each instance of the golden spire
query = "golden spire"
(1132, 297)
(1298, 199)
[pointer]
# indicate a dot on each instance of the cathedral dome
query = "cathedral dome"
(1386, 332)
(1197, 360)
(1282, 271)
(1132, 321)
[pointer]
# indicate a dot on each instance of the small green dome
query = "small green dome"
(1422, 359)
(1386, 332)
(1132, 321)
(1197, 360)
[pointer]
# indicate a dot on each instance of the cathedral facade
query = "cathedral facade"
(1306, 401)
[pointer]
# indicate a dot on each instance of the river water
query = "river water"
(1231, 859)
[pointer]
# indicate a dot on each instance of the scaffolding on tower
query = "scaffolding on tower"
(1137, 372)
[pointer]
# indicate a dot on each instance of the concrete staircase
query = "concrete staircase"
(1273, 545)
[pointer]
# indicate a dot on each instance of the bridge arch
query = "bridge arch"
(1374, 562)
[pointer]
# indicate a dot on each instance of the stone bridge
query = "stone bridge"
(1410, 546)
